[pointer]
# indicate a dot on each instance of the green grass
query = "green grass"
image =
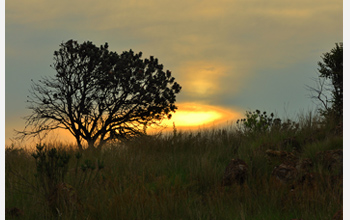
(178, 176)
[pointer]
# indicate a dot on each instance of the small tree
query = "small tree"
(331, 69)
(99, 95)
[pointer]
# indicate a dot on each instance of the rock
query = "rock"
(308, 180)
(235, 172)
(13, 212)
(278, 157)
(285, 173)
(294, 172)
(303, 167)
(331, 159)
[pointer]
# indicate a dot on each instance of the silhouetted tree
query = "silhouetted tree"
(331, 69)
(99, 95)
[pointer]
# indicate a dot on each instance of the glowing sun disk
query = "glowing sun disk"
(188, 118)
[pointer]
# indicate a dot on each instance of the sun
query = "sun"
(195, 118)
(194, 115)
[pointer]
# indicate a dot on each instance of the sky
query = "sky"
(229, 56)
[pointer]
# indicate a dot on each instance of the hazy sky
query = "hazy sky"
(228, 55)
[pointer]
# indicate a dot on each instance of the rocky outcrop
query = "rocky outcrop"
(290, 169)
(331, 159)
(275, 157)
(236, 172)
(304, 165)
(285, 173)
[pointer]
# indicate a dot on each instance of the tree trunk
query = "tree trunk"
(79, 143)
(80, 147)
(91, 144)
(99, 146)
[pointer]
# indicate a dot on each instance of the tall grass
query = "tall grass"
(179, 175)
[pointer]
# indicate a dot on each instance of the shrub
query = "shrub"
(51, 172)
(51, 167)
(257, 122)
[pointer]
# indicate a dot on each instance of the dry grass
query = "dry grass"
(179, 175)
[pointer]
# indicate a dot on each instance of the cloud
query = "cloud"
(245, 30)
(213, 48)
(236, 38)
(201, 78)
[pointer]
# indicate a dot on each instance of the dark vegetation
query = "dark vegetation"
(329, 89)
(180, 176)
(262, 167)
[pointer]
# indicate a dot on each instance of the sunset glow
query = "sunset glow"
(194, 115)
(228, 56)
(187, 118)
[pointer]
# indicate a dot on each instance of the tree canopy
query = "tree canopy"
(99, 95)
(329, 87)
(332, 68)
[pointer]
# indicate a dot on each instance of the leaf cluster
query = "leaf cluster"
(258, 122)
(331, 68)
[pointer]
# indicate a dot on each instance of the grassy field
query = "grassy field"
(179, 176)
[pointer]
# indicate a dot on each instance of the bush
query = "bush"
(51, 171)
(51, 167)
(257, 122)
